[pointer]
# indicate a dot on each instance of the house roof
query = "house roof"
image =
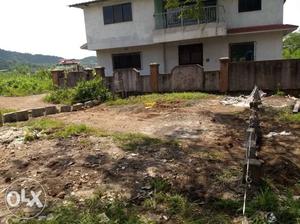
(83, 4)
(254, 29)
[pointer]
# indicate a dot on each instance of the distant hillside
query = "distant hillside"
(89, 61)
(9, 59)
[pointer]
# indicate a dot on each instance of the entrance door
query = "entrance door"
(190, 54)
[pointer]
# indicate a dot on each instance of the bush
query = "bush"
(84, 91)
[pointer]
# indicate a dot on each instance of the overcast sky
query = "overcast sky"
(50, 27)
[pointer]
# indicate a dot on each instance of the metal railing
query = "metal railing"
(178, 17)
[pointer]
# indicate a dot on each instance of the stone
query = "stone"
(65, 108)
(88, 104)
(77, 107)
(51, 110)
(22, 115)
(297, 107)
(38, 112)
(9, 117)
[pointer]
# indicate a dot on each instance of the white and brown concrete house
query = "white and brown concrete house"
(135, 33)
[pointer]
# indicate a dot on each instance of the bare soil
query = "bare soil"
(25, 102)
(207, 164)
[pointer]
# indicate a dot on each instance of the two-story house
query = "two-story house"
(135, 33)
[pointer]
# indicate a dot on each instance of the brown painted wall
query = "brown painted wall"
(267, 75)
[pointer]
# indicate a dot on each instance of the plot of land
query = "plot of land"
(196, 146)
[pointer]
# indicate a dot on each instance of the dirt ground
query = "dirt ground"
(207, 163)
(25, 102)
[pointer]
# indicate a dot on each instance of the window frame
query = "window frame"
(113, 9)
(243, 43)
(127, 54)
(241, 10)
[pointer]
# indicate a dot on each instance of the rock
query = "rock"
(38, 112)
(65, 108)
(1, 120)
(96, 102)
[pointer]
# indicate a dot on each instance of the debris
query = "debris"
(272, 134)
(242, 101)
(297, 107)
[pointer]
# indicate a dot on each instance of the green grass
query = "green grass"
(290, 117)
(152, 99)
(24, 84)
(4, 111)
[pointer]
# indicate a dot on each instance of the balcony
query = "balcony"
(173, 25)
(175, 18)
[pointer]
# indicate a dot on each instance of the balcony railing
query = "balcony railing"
(177, 17)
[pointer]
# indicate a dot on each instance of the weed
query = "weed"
(73, 130)
(23, 84)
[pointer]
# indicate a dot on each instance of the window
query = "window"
(131, 60)
(242, 52)
(249, 5)
(190, 54)
(117, 13)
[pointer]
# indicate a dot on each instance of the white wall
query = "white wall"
(268, 46)
(133, 33)
(271, 13)
(149, 54)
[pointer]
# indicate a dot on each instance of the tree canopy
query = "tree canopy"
(291, 46)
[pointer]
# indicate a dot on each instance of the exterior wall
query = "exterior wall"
(149, 54)
(271, 13)
(133, 33)
(268, 46)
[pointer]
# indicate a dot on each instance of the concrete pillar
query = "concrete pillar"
(154, 73)
(57, 77)
(100, 72)
(224, 75)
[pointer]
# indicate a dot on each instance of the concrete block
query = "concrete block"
(38, 112)
(297, 107)
(96, 102)
(88, 104)
(1, 120)
(77, 107)
(10, 117)
(65, 108)
(22, 115)
(51, 110)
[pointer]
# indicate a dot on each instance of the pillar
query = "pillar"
(58, 77)
(224, 75)
(154, 73)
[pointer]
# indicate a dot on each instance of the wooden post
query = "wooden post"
(224, 75)
(154, 73)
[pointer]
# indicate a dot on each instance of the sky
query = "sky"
(50, 27)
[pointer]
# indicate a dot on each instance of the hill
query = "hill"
(9, 59)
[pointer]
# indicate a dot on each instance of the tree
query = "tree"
(196, 11)
(291, 46)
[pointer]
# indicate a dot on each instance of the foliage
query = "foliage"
(21, 82)
(152, 99)
(84, 91)
(196, 11)
(4, 110)
(291, 46)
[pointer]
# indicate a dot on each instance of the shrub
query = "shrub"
(84, 91)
